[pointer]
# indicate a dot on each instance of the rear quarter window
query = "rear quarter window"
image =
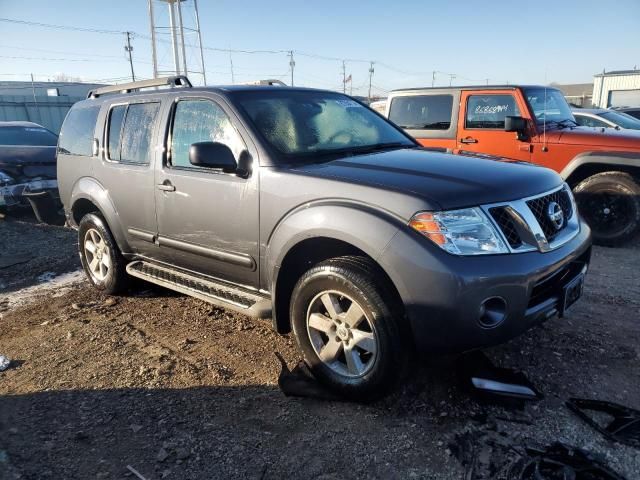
(76, 135)
(422, 112)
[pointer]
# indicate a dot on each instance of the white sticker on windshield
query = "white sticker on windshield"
(347, 103)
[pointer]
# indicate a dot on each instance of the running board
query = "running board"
(218, 293)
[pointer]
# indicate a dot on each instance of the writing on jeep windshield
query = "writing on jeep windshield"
(549, 106)
(311, 123)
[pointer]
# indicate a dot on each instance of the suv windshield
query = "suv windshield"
(548, 105)
(309, 123)
(30, 136)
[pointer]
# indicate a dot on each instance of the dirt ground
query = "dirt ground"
(179, 389)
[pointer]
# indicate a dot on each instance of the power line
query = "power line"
(131, 34)
(61, 27)
(59, 52)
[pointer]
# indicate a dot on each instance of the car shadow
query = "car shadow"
(209, 432)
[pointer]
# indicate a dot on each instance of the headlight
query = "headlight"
(5, 179)
(461, 232)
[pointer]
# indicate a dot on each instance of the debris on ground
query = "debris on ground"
(490, 383)
(486, 456)
(300, 382)
(621, 424)
(4, 363)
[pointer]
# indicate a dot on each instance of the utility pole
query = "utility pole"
(344, 77)
(433, 78)
(370, 77)
(153, 40)
(233, 80)
(487, 81)
(128, 48)
(292, 64)
(451, 77)
(33, 90)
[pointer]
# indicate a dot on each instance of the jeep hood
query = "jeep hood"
(447, 181)
(597, 137)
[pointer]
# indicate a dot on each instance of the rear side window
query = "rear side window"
(116, 119)
(76, 135)
(488, 111)
(130, 142)
(424, 112)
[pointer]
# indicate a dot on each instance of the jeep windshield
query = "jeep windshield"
(549, 107)
(310, 124)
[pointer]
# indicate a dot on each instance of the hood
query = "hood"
(597, 137)
(23, 162)
(450, 181)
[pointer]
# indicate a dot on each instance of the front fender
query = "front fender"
(365, 227)
(89, 189)
(613, 158)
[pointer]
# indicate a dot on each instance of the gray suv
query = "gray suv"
(306, 207)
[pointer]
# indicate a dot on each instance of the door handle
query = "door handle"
(166, 186)
(468, 140)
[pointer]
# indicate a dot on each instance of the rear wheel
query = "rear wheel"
(100, 256)
(610, 203)
(348, 327)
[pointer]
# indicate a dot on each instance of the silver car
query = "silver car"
(601, 117)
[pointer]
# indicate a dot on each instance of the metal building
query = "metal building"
(45, 103)
(619, 88)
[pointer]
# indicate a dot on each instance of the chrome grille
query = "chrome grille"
(539, 207)
(526, 225)
(506, 224)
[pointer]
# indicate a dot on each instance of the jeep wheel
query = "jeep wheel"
(610, 203)
(100, 256)
(347, 328)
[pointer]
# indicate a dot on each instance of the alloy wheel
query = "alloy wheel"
(97, 255)
(341, 334)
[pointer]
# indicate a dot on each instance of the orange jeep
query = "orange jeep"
(533, 124)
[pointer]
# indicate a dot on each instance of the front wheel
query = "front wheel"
(610, 203)
(100, 256)
(348, 327)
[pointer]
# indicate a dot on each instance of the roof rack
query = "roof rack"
(174, 81)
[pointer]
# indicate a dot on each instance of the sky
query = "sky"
(465, 42)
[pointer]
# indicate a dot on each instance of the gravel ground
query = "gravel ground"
(180, 389)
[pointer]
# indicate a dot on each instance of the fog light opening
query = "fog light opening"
(493, 311)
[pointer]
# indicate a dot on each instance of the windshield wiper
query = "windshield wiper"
(376, 147)
(563, 124)
(559, 123)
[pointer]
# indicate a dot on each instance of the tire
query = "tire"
(108, 274)
(359, 353)
(610, 203)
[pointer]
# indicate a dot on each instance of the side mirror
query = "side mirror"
(515, 124)
(212, 155)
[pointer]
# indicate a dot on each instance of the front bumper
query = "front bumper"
(15, 194)
(443, 293)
